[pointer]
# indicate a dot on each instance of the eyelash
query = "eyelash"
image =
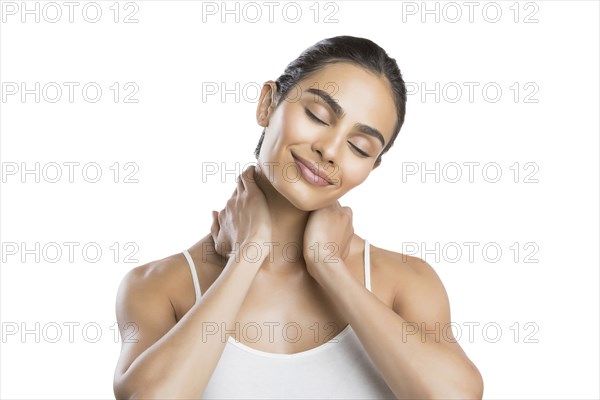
(314, 118)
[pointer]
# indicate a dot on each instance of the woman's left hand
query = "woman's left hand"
(327, 237)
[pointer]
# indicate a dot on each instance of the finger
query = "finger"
(242, 182)
(253, 172)
(249, 173)
(220, 217)
(249, 178)
(214, 229)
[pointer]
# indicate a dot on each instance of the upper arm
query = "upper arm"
(144, 314)
(424, 301)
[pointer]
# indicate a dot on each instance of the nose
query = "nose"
(327, 147)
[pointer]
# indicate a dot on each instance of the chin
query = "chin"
(303, 198)
(301, 194)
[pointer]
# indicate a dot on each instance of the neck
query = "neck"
(288, 223)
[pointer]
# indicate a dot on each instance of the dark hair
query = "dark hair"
(359, 51)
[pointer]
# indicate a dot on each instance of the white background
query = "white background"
(172, 132)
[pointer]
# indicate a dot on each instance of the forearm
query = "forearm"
(180, 364)
(411, 366)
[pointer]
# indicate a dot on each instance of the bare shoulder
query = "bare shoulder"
(392, 263)
(420, 298)
(419, 294)
(161, 273)
(151, 299)
(143, 309)
(170, 279)
(155, 279)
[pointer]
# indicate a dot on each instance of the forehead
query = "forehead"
(364, 96)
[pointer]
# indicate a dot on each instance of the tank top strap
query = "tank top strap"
(194, 274)
(367, 265)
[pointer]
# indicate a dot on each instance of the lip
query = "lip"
(314, 170)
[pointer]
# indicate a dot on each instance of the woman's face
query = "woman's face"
(338, 120)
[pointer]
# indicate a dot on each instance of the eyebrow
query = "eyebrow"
(339, 113)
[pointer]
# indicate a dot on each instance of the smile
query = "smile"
(311, 173)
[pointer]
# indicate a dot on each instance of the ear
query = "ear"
(266, 103)
(377, 164)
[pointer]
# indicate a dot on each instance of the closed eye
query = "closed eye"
(359, 150)
(314, 117)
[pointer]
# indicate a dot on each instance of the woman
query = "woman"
(277, 301)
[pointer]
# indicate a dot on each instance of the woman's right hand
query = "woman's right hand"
(244, 219)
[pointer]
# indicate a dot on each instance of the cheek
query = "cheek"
(286, 127)
(354, 174)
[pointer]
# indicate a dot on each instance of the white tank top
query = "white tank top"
(338, 369)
